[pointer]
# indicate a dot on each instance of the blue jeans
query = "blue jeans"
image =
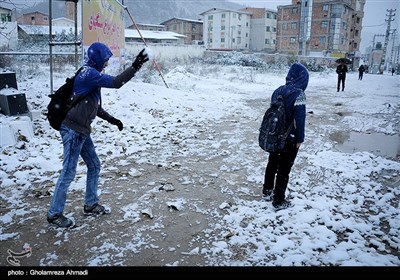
(75, 144)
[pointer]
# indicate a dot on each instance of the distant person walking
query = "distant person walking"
(341, 70)
(361, 71)
(392, 71)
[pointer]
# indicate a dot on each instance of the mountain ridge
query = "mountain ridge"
(148, 12)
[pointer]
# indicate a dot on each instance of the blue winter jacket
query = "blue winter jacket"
(295, 100)
(88, 83)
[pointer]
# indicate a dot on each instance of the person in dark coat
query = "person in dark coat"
(361, 71)
(76, 128)
(341, 70)
(279, 164)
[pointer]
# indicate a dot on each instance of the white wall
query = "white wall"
(165, 52)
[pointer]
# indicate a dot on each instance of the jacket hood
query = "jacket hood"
(97, 54)
(297, 76)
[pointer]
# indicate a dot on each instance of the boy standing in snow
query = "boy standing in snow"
(76, 128)
(279, 164)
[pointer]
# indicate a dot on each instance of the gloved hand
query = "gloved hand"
(116, 122)
(141, 58)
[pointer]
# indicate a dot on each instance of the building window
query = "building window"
(273, 29)
(210, 17)
(293, 25)
(284, 26)
(247, 34)
(324, 24)
(322, 40)
(293, 40)
(274, 16)
(222, 40)
(45, 18)
(268, 29)
(325, 8)
(294, 10)
(356, 33)
(273, 41)
(5, 17)
(222, 27)
(223, 15)
(193, 37)
(268, 15)
(267, 41)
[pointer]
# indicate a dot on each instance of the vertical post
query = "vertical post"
(76, 34)
(51, 46)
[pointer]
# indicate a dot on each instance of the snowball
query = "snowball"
(149, 52)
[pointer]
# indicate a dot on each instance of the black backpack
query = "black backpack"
(273, 132)
(60, 103)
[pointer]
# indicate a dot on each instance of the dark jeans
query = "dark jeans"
(340, 80)
(278, 168)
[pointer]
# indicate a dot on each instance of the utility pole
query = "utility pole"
(392, 54)
(389, 20)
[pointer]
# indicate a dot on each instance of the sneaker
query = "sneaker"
(280, 205)
(267, 195)
(60, 221)
(96, 209)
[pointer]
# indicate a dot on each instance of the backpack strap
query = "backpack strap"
(292, 122)
(81, 97)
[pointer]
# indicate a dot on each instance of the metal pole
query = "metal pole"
(154, 61)
(51, 46)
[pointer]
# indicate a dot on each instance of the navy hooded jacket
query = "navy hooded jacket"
(89, 82)
(295, 100)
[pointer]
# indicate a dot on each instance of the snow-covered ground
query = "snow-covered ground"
(184, 177)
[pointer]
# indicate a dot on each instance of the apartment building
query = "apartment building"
(327, 27)
(192, 29)
(262, 29)
(226, 29)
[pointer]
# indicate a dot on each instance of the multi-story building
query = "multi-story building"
(262, 29)
(226, 29)
(8, 29)
(192, 29)
(34, 18)
(329, 27)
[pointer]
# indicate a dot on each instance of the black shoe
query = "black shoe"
(95, 209)
(267, 195)
(280, 205)
(60, 221)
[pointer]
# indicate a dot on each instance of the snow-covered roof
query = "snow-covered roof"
(44, 29)
(129, 33)
(225, 10)
(184, 19)
(150, 34)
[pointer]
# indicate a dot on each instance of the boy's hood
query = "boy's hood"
(97, 54)
(297, 76)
